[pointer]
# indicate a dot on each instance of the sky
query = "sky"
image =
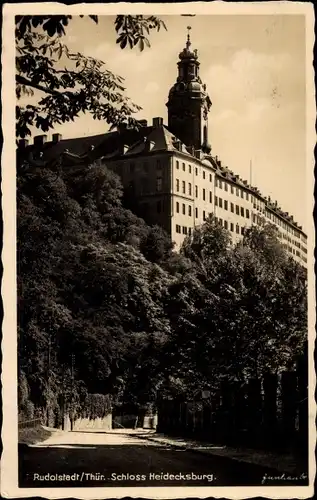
(255, 70)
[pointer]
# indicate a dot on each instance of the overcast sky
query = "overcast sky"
(254, 69)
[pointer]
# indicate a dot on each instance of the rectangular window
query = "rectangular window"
(189, 189)
(210, 197)
(232, 207)
(159, 183)
(190, 169)
(184, 230)
(177, 184)
(254, 219)
(225, 204)
(196, 213)
(220, 222)
(177, 164)
(210, 178)
(196, 171)
(204, 215)
(247, 196)
(204, 174)
(189, 231)
(241, 193)
(226, 224)
(189, 210)
(177, 207)
(231, 227)
(232, 190)
(247, 213)
(237, 191)
(184, 167)
(183, 187)
(196, 191)
(220, 202)
(178, 228)
(159, 207)
(204, 194)
(237, 228)
(226, 186)
(242, 230)
(216, 201)
(237, 209)
(220, 183)
(242, 211)
(184, 209)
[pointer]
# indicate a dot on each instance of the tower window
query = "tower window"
(189, 189)
(184, 209)
(196, 213)
(177, 184)
(204, 194)
(177, 207)
(183, 187)
(159, 184)
(184, 167)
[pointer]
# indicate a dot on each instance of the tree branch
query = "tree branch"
(24, 81)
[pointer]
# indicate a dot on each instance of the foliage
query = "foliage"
(71, 83)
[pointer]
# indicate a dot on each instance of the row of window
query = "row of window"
(219, 202)
(189, 190)
(183, 230)
(239, 191)
(190, 170)
(145, 166)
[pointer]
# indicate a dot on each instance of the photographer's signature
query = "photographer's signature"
(284, 477)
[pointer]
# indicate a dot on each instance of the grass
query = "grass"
(33, 435)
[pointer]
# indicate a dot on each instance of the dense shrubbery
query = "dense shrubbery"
(137, 317)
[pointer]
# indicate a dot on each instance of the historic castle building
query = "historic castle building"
(171, 172)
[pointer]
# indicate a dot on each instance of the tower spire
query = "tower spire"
(188, 43)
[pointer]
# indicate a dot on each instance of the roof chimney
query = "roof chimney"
(39, 140)
(56, 138)
(23, 143)
(157, 122)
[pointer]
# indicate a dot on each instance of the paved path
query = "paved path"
(117, 458)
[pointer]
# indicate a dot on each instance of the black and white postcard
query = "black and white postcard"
(158, 287)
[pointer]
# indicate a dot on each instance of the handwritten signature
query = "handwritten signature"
(284, 477)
